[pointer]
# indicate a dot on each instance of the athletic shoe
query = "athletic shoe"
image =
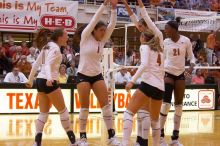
(175, 143)
(137, 144)
(82, 142)
(163, 142)
(113, 142)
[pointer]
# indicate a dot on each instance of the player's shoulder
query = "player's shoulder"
(167, 40)
(184, 39)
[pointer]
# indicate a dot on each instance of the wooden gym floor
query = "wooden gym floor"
(197, 129)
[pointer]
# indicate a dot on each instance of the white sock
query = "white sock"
(146, 123)
(107, 116)
(155, 133)
(128, 121)
(177, 116)
(40, 122)
(65, 121)
(139, 123)
(83, 116)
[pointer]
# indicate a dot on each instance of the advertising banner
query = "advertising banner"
(164, 14)
(26, 100)
(28, 15)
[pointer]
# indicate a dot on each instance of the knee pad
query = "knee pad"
(43, 117)
(128, 116)
(165, 108)
(107, 112)
(40, 122)
(84, 113)
(155, 124)
(168, 93)
(64, 118)
(179, 110)
(142, 114)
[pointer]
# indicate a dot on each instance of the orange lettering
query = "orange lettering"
(18, 100)
(10, 99)
(36, 102)
(76, 97)
(121, 103)
(28, 103)
(128, 99)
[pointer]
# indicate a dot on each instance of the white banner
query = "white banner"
(26, 101)
(28, 15)
(194, 99)
(193, 14)
(200, 24)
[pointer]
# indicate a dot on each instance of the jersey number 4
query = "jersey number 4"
(176, 52)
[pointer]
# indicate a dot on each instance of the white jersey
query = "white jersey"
(176, 53)
(49, 60)
(151, 70)
(150, 24)
(91, 50)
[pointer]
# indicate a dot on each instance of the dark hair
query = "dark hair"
(175, 23)
(42, 37)
(142, 21)
(100, 24)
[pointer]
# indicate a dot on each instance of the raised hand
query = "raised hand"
(106, 2)
(114, 3)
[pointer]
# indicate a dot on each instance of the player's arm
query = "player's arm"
(191, 56)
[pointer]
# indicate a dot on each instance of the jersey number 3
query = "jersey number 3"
(176, 52)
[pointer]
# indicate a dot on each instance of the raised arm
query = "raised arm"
(90, 27)
(133, 17)
(151, 25)
(113, 20)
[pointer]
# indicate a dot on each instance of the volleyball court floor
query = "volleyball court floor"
(199, 128)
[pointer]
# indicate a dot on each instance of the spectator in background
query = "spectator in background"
(32, 56)
(25, 49)
(129, 56)
(198, 78)
(15, 76)
(62, 76)
(202, 61)
(215, 6)
(199, 45)
(17, 55)
(12, 48)
(65, 61)
(72, 70)
(211, 42)
(122, 77)
(24, 66)
(120, 59)
(69, 47)
(5, 64)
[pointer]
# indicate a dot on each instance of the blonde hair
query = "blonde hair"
(154, 41)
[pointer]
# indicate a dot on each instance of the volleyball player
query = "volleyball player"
(49, 91)
(176, 48)
(143, 118)
(150, 92)
(93, 39)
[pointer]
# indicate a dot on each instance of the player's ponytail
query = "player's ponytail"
(152, 41)
(42, 38)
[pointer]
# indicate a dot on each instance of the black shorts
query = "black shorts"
(175, 78)
(91, 80)
(42, 86)
(151, 91)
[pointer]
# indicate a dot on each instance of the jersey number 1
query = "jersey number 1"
(176, 52)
